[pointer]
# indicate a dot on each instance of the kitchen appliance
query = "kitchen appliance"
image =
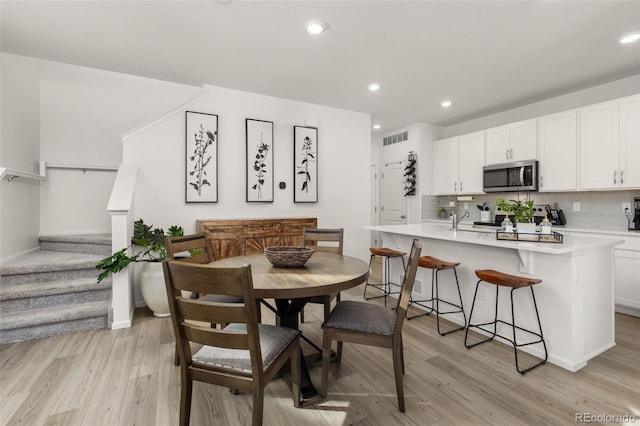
(511, 177)
(556, 215)
(635, 224)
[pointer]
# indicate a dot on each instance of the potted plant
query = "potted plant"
(147, 245)
(522, 212)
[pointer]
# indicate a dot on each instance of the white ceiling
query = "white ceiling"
(485, 56)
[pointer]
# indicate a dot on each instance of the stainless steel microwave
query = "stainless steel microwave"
(511, 177)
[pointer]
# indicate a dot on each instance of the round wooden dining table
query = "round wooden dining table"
(323, 273)
(291, 288)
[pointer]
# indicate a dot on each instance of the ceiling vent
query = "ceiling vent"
(398, 137)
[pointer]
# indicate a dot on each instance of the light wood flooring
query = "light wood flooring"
(127, 377)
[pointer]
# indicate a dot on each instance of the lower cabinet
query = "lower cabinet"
(627, 270)
(627, 278)
(237, 237)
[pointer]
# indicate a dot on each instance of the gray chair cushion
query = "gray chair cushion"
(273, 341)
(364, 317)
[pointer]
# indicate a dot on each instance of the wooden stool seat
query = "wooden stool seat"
(435, 263)
(500, 278)
(386, 252)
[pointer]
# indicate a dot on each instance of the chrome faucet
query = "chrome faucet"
(455, 221)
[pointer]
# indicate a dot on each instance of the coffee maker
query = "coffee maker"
(634, 225)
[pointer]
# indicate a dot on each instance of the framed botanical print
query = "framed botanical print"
(305, 164)
(259, 136)
(201, 178)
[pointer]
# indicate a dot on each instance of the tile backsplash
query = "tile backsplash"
(598, 209)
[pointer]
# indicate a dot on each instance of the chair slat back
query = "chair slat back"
(330, 239)
(407, 284)
(188, 243)
(232, 281)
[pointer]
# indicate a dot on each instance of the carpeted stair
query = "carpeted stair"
(53, 291)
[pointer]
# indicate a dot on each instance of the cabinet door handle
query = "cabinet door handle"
(615, 173)
(511, 153)
(455, 186)
(621, 177)
(506, 154)
(460, 186)
(541, 181)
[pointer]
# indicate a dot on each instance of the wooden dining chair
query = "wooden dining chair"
(328, 240)
(194, 249)
(373, 325)
(243, 356)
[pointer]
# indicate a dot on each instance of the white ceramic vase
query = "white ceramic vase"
(153, 288)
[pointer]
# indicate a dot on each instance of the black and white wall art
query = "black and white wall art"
(259, 134)
(305, 163)
(201, 158)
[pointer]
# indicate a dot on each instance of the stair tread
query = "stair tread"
(46, 261)
(32, 317)
(49, 288)
(103, 239)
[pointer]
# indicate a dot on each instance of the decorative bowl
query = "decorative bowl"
(288, 256)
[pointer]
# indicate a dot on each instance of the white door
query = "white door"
(394, 204)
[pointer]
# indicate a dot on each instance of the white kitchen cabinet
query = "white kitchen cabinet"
(458, 164)
(610, 145)
(445, 168)
(558, 152)
(630, 142)
(470, 163)
(512, 142)
(626, 285)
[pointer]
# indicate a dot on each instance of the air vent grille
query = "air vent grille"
(398, 137)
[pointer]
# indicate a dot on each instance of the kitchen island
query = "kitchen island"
(575, 299)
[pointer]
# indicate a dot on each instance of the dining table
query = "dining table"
(291, 288)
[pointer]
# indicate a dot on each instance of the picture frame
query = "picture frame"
(259, 177)
(201, 157)
(305, 164)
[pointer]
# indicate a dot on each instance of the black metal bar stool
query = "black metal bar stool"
(437, 265)
(515, 282)
(386, 286)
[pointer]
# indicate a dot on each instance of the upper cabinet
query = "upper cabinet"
(512, 142)
(610, 145)
(557, 152)
(458, 165)
(630, 142)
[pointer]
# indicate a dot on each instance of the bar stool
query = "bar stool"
(385, 286)
(437, 265)
(514, 282)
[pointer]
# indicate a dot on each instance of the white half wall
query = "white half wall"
(344, 146)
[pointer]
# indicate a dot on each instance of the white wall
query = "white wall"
(343, 163)
(421, 137)
(593, 95)
(19, 150)
(84, 112)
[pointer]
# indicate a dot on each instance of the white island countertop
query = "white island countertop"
(575, 297)
(469, 235)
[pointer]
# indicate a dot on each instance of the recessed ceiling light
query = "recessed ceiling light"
(376, 126)
(445, 104)
(374, 87)
(630, 38)
(316, 26)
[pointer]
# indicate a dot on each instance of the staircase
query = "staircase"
(53, 291)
